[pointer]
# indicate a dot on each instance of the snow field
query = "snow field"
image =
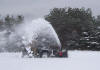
(77, 60)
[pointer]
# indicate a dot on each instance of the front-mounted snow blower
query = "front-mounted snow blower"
(44, 52)
(42, 40)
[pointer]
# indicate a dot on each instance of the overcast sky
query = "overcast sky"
(39, 8)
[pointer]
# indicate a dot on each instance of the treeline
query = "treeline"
(9, 40)
(77, 28)
(9, 21)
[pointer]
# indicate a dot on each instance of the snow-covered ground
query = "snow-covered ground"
(77, 60)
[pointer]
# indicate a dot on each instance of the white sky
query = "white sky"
(39, 8)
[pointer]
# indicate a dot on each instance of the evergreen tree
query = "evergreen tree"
(70, 23)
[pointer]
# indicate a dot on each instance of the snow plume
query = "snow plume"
(37, 31)
(37, 28)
